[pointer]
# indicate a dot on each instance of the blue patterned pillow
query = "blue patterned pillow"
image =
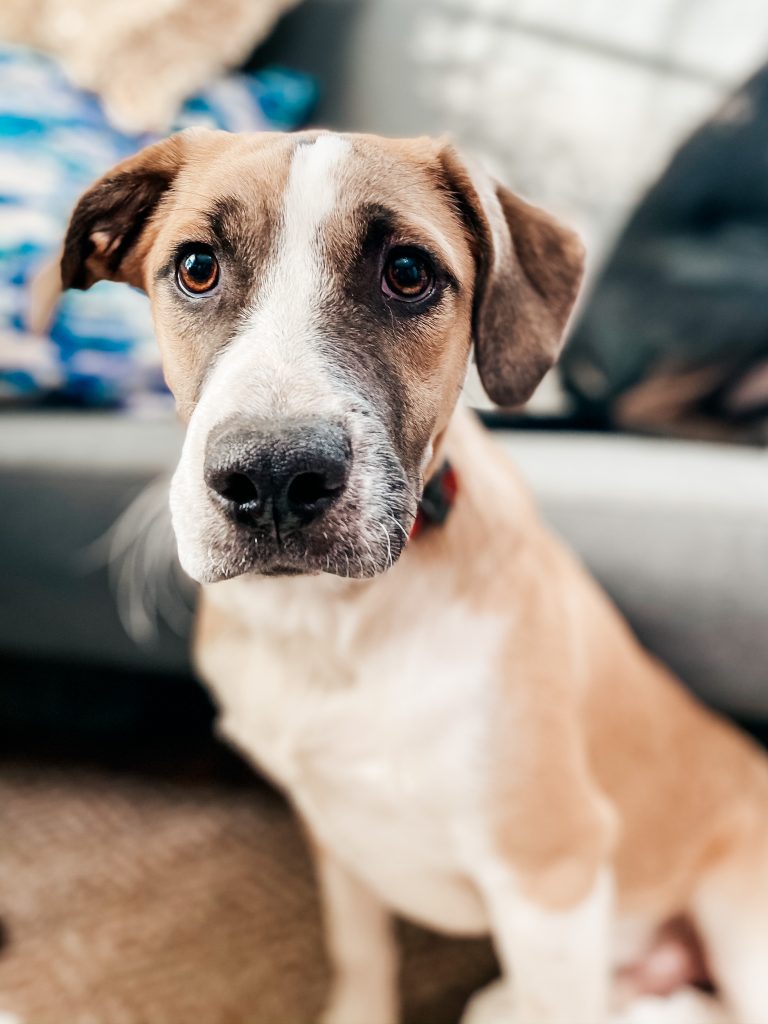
(54, 141)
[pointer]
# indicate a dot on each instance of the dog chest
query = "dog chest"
(379, 742)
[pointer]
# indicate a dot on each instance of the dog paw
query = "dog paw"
(491, 1005)
(354, 1005)
(686, 1006)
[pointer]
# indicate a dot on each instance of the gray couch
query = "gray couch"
(678, 533)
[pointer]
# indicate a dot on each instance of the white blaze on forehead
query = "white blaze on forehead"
(296, 275)
(273, 366)
(312, 189)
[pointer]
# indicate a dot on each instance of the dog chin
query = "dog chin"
(364, 559)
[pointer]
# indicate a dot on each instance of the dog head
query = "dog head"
(316, 297)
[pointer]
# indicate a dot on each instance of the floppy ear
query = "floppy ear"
(529, 269)
(106, 230)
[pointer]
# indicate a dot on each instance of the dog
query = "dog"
(462, 720)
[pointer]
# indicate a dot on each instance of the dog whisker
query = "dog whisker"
(140, 554)
(385, 531)
(399, 525)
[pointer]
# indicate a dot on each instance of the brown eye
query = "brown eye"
(408, 275)
(197, 271)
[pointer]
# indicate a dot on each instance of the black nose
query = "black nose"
(277, 474)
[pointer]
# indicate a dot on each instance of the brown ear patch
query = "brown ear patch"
(105, 226)
(111, 216)
(529, 269)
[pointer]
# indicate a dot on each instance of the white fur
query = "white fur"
(272, 365)
(559, 960)
(686, 1006)
(495, 1005)
(279, 370)
(361, 943)
(361, 710)
(734, 921)
(364, 733)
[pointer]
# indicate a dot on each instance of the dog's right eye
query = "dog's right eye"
(408, 274)
(197, 270)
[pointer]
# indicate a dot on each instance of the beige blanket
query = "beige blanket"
(142, 56)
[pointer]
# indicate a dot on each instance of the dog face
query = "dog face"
(315, 297)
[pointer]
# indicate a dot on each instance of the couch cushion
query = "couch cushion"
(676, 531)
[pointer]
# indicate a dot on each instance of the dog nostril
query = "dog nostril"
(237, 487)
(308, 489)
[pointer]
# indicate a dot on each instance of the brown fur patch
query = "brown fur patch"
(522, 302)
(111, 216)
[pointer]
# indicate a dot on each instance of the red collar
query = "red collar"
(437, 499)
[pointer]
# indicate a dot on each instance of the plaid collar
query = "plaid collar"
(436, 501)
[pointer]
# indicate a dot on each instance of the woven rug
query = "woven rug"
(158, 899)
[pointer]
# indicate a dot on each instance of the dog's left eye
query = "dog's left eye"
(197, 271)
(408, 275)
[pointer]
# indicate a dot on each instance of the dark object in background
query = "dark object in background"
(675, 336)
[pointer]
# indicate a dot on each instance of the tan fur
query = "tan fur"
(648, 771)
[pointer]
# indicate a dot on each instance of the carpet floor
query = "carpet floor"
(175, 898)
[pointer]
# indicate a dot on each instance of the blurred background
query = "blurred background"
(147, 876)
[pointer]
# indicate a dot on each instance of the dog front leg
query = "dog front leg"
(555, 963)
(361, 947)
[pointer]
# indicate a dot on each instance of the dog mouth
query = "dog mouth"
(345, 544)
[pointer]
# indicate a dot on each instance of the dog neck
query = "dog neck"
(437, 499)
